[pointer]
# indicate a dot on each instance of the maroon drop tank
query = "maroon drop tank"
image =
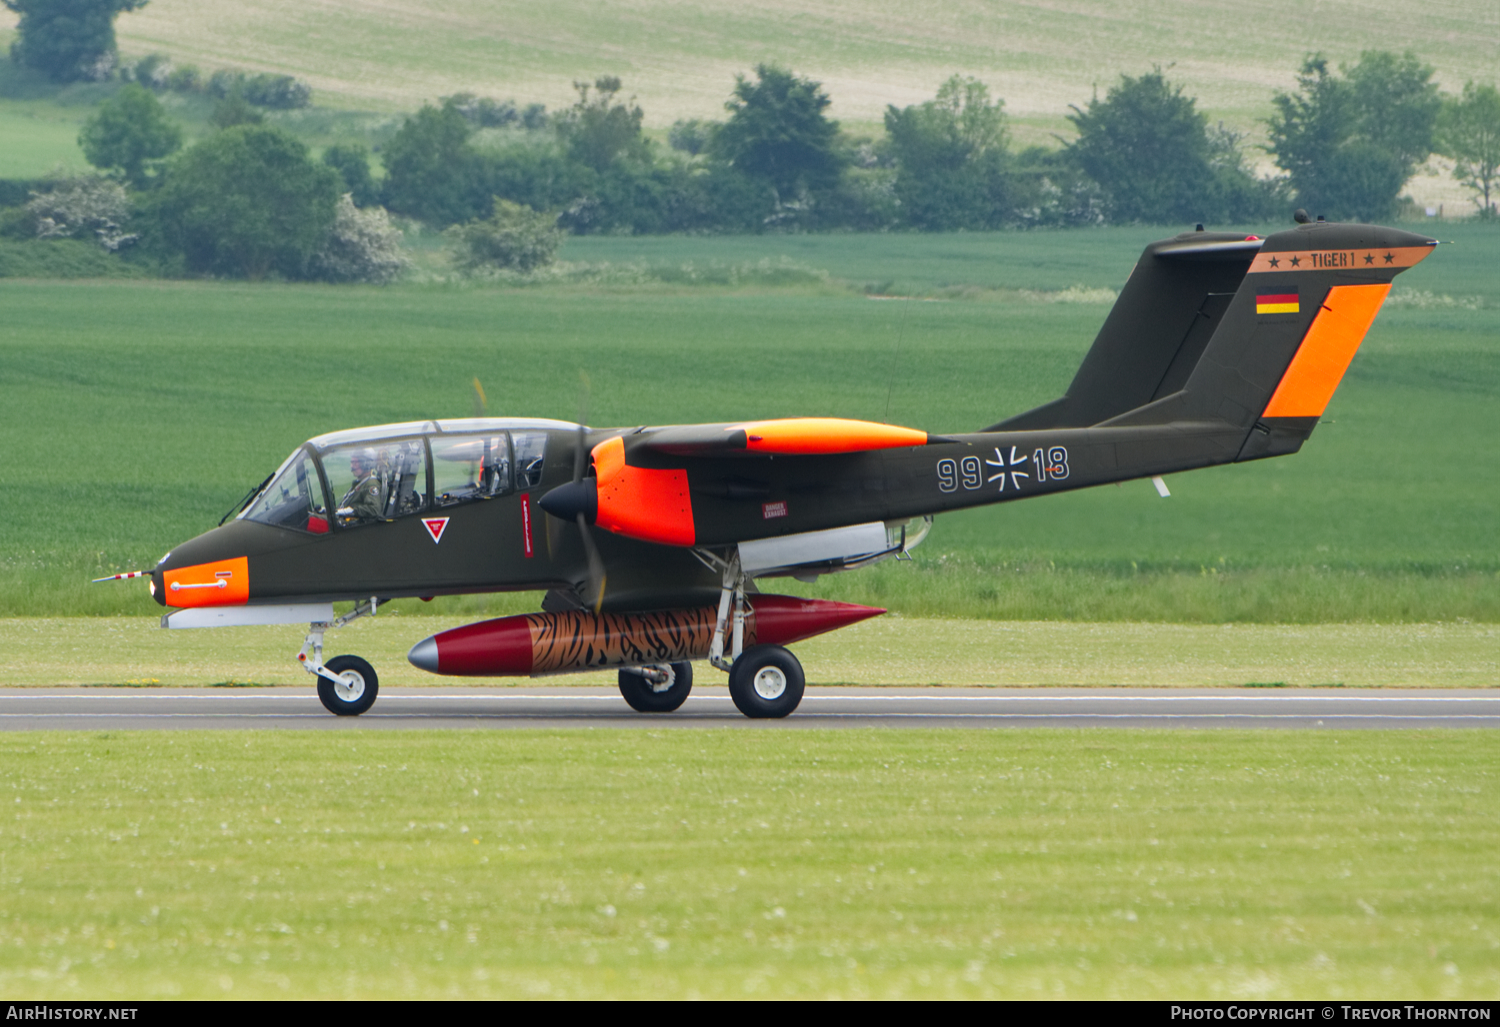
(550, 643)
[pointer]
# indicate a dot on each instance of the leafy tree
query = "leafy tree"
(598, 132)
(68, 40)
(513, 238)
(431, 171)
(777, 132)
(1147, 146)
(245, 202)
(1349, 143)
(129, 135)
(1469, 132)
(352, 162)
(952, 157)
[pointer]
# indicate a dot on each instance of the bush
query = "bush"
(277, 92)
(362, 246)
(152, 71)
(483, 112)
(513, 238)
(185, 79)
(247, 202)
(83, 206)
(224, 82)
(232, 111)
(62, 258)
(691, 136)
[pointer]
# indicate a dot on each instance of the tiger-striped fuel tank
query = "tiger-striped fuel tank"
(549, 643)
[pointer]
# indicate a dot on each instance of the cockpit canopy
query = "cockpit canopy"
(363, 476)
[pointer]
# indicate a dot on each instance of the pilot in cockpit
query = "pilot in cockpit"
(365, 501)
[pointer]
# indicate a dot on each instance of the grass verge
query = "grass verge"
(1095, 864)
(134, 652)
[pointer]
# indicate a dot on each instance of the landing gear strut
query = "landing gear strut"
(347, 685)
(764, 680)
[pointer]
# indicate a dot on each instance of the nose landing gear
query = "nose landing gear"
(347, 685)
(352, 690)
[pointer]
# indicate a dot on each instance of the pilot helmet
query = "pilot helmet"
(362, 460)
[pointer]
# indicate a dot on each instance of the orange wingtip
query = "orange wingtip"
(814, 435)
(221, 583)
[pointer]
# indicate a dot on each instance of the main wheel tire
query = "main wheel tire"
(662, 697)
(766, 681)
(356, 689)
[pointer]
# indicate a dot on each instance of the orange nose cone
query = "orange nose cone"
(221, 583)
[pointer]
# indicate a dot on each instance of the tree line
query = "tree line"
(507, 182)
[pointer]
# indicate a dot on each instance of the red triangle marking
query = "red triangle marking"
(435, 527)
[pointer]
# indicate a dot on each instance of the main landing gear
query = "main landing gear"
(657, 689)
(347, 685)
(764, 680)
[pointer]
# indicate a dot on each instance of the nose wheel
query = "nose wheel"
(347, 685)
(354, 690)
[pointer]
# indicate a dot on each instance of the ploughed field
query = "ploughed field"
(137, 413)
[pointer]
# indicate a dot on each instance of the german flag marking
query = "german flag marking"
(1276, 302)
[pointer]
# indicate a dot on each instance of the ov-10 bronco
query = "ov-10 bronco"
(650, 542)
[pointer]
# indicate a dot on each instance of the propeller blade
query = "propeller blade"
(597, 578)
(481, 405)
(579, 458)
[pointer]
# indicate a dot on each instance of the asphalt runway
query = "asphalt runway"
(114, 709)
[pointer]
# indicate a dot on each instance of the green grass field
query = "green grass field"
(1030, 864)
(139, 413)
